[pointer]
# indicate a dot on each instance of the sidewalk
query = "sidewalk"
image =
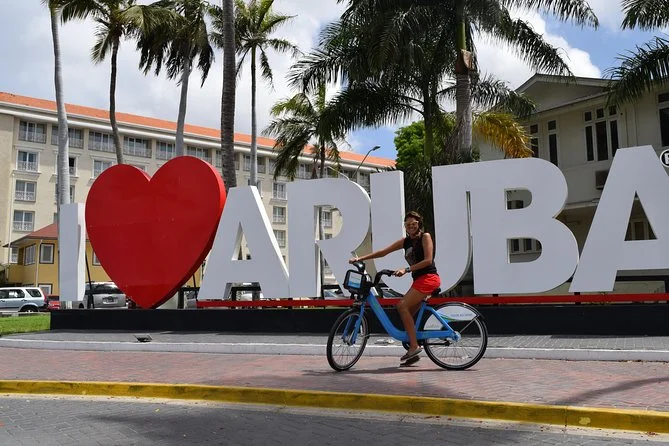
(623, 394)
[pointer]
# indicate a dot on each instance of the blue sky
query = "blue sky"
(27, 64)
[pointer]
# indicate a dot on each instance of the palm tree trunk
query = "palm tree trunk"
(228, 96)
(428, 119)
(63, 133)
(112, 104)
(181, 119)
(254, 124)
(463, 104)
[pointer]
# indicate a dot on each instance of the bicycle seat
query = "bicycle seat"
(436, 292)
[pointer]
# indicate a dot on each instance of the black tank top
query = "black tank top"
(413, 253)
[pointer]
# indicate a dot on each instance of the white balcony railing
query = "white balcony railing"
(32, 137)
(23, 226)
(101, 146)
(22, 195)
(27, 166)
(279, 219)
(137, 151)
(73, 170)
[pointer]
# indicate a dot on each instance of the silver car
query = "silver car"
(104, 295)
(24, 299)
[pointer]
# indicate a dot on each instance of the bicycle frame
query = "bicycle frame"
(393, 331)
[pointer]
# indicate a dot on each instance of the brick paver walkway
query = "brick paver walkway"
(632, 385)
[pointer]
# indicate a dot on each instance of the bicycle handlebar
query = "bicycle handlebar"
(360, 266)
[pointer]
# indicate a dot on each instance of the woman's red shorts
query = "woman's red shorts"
(427, 284)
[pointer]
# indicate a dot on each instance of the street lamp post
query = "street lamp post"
(355, 174)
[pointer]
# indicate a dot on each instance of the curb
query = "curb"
(603, 418)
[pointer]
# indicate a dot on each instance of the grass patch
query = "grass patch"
(25, 324)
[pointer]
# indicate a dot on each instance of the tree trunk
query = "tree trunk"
(181, 119)
(228, 96)
(463, 93)
(63, 132)
(428, 120)
(254, 124)
(112, 104)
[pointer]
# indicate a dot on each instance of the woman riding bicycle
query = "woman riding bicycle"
(419, 253)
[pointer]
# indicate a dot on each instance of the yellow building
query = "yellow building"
(28, 201)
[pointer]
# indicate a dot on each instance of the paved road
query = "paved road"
(78, 421)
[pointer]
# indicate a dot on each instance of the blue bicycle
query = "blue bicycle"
(453, 335)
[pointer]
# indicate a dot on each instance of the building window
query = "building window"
(326, 216)
(101, 142)
(525, 244)
(136, 147)
(303, 171)
(262, 168)
(278, 214)
(219, 158)
(24, 221)
(165, 150)
(32, 132)
(71, 193)
(14, 255)
(198, 152)
(601, 134)
(552, 142)
(25, 190)
(272, 165)
(95, 260)
(280, 236)
(27, 161)
(279, 191)
(75, 137)
(72, 165)
(29, 255)
(663, 101)
(247, 163)
(46, 288)
(100, 166)
(258, 185)
(534, 140)
(639, 230)
(236, 162)
(46, 253)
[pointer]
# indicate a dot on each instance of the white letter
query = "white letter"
(304, 197)
(244, 214)
(388, 224)
(492, 225)
(72, 252)
(635, 170)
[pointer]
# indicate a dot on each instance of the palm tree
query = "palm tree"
(63, 131)
(302, 121)
(116, 19)
(223, 19)
(176, 41)
(641, 71)
(255, 22)
(461, 18)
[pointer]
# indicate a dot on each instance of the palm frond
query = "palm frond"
(578, 11)
(645, 14)
(503, 132)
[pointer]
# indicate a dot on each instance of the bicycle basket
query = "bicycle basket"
(357, 283)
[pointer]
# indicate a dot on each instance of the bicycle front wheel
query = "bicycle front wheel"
(345, 344)
(464, 349)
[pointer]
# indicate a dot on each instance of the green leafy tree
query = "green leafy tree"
(641, 71)
(255, 22)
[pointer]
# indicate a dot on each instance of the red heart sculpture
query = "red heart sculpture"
(152, 234)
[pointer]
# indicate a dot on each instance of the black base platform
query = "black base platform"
(595, 319)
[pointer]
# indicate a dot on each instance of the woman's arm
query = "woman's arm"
(380, 253)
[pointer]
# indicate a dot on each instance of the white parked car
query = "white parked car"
(24, 299)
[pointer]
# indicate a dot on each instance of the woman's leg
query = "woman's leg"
(409, 302)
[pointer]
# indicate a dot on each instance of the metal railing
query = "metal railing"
(22, 195)
(23, 226)
(28, 166)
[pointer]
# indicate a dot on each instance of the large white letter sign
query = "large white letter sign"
(635, 170)
(492, 224)
(388, 225)
(304, 197)
(244, 214)
(72, 254)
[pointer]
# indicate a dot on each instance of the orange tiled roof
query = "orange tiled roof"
(127, 118)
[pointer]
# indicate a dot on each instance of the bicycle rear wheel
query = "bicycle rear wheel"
(342, 351)
(456, 353)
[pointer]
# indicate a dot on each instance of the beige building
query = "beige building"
(28, 150)
(574, 128)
